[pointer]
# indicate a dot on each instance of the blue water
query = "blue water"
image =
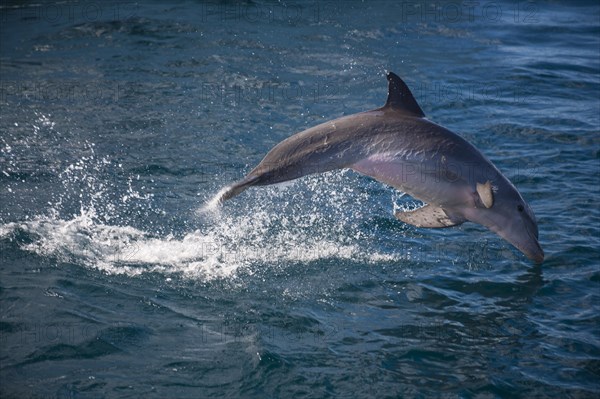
(120, 121)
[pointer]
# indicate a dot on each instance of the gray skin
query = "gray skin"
(398, 146)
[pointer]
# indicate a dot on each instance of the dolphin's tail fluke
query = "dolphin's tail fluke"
(235, 189)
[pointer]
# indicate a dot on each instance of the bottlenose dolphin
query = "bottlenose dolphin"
(397, 145)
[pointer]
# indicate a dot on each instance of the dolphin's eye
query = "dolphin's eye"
(520, 208)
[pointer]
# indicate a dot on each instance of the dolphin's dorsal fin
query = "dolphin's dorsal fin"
(400, 97)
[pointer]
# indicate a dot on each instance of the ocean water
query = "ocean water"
(119, 121)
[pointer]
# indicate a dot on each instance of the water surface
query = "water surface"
(119, 121)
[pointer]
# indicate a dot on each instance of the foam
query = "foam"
(261, 230)
(206, 255)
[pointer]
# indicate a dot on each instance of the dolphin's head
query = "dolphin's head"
(506, 213)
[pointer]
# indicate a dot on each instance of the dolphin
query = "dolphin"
(398, 146)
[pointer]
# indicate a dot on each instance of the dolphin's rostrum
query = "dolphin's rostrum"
(397, 145)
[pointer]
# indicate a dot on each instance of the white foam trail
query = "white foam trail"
(264, 229)
(125, 250)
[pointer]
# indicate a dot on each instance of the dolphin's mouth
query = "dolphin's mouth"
(528, 245)
(533, 250)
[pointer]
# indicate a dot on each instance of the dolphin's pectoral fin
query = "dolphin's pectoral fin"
(486, 194)
(428, 216)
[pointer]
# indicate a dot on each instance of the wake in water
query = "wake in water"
(219, 251)
(317, 224)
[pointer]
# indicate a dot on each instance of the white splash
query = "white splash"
(317, 218)
(219, 252)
